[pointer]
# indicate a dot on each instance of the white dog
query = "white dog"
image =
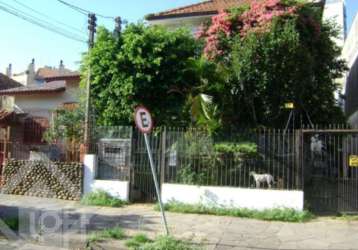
(317, 146)
(263, 178)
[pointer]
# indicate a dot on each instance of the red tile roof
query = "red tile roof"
(8, 83)
(210, 7)
(50, 87)
(53, 73)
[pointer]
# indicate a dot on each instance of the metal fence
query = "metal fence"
(247, 158)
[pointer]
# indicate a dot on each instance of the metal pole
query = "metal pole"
(154, 172)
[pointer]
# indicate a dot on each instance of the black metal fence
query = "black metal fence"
(269, 157)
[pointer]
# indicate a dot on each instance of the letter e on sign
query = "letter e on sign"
(143, 120)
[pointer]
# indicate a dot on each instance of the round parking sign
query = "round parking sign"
(143, 120)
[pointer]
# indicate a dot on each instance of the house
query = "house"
(194, 15)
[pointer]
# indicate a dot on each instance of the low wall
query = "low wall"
(116, 188)
(43, 179)
(258, 199)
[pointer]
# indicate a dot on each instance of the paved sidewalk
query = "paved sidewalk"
(219, 233)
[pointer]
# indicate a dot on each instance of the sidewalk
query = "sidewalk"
(219, 233)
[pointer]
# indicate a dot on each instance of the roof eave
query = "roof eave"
(180, 15)
(32, 92)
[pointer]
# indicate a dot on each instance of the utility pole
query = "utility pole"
(118, 26)
(92, 30)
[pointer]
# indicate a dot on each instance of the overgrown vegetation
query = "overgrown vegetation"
(146, 65)
(277, 214)
(101, 198)
(244, 66)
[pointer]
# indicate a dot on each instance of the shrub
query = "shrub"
(101, 198)
(276, 214)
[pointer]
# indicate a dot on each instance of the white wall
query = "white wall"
(43, 105)
(233, 197)
(118, 189)
(334, 10)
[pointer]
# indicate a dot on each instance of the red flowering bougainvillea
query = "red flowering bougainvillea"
(255, 18)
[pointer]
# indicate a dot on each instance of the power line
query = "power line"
(36, 21)
(49, 17)
(42, 21)
(84, 11)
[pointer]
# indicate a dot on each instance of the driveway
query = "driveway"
(212, 232)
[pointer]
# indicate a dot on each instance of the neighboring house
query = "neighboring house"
(6, 116)
(35, 96)
(42, 91)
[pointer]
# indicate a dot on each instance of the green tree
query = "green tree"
(271, 53)
(142, 65)
(66, 125)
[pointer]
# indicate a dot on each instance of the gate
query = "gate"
(142, 187)
(330, 183)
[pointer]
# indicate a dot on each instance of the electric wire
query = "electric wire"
(49, 17)
(41, 23)
(84, 11)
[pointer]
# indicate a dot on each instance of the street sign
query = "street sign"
(353, 161)
(144, 123)
(289, 105)
(143, 120)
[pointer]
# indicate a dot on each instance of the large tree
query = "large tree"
(274, 52)
(142, 65)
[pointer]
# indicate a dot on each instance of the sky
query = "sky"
(21, 41)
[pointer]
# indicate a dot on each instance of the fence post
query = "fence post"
(162, 157)
(299, 159)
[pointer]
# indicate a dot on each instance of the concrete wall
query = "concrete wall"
(233, 197)
(119, 189)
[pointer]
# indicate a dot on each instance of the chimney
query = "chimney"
(31, 73)
(61, 68)
(9, 71)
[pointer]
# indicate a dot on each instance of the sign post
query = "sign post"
(144, 123)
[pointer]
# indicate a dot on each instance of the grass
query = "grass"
(115, 233)
(277, 214)
(141, 242)
(137, 241)
(12, 223)
(101, 198)
(347, 217)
